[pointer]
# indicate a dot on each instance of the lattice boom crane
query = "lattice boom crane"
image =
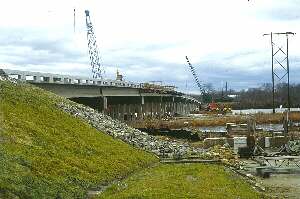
(97, 68)
(202, 90)
(205, 96)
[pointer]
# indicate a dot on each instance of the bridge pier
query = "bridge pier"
(138, 108)
(120, 113)
(104, 103)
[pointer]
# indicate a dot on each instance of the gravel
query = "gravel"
(132, 136)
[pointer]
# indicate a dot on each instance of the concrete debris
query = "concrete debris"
(134, 137)
(226, 155)
(210, 142)
(294, 146)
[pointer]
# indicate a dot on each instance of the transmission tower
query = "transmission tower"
(97, 69)
(283, 65)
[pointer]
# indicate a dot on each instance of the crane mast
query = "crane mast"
(97, 69)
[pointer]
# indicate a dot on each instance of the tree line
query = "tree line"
(260, 97)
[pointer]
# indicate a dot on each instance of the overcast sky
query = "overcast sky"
(148, 40)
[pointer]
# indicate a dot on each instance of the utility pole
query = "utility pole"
(286, 68)
(222, 93)
(74, 18)
(226, 88)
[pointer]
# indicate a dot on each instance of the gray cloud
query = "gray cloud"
(36, 50)
(147, 47)
(215, 69)
(284, 11)
(23, 47)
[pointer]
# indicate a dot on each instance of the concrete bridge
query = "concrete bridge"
(120, 99)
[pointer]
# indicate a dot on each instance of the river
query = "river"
(265, 127)
(253, 111)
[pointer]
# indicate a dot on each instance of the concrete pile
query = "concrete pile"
(134, 137)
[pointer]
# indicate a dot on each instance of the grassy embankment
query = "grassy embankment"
(182, 181)
(46, 153)
(215, 120)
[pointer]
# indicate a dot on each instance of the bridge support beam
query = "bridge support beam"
(130, 108)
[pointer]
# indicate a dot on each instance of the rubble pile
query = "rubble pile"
(226, 155)
(134, 137)
(294, 147)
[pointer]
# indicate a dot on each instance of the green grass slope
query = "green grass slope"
(46, 153)
(182, 181)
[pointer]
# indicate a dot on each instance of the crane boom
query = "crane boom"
(97, 69)
(205, 95)
(202, 90)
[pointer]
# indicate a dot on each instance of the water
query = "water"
(253, 111)
(270, 127)
(249, 111)
(212, 129)
(265, 127)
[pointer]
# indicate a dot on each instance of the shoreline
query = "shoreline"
(213, 120)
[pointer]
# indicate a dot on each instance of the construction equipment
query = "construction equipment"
(156, 88)
(206, 97)
(218, 108)
(97, 68)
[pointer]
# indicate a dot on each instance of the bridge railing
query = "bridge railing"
(40, 78)
(37, 77)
